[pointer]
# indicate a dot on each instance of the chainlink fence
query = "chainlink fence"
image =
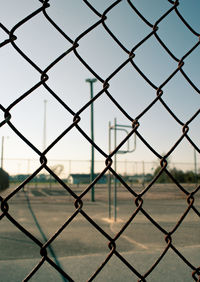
(191, 196)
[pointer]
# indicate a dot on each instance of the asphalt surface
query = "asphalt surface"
(80, 248)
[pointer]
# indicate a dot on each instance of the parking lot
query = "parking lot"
(80, 248)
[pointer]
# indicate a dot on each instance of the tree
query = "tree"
(163, 178)
(4, 179)
(179, 175)
(190, 177)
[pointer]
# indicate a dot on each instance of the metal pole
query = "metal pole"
(45, 120)
(91, 81)
(195, 167)
(115, 167)
(116, 127)
(109, 174)
(2, 151)
(143, 171)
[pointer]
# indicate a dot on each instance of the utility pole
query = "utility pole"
(91, 81)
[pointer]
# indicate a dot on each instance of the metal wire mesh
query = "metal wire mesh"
(12, 40)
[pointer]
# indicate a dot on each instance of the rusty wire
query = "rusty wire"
(134, 121)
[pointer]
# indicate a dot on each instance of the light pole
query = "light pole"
(91, 81)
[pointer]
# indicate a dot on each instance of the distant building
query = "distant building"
(79, 178)
(139, 178)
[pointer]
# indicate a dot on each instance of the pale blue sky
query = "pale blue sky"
(42, 43)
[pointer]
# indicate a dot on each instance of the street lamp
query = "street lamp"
(91, 81)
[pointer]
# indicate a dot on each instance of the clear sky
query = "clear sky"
(39, 40)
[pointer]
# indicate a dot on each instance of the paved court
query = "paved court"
(81, 249)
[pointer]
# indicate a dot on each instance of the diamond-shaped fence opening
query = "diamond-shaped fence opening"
(142, 220)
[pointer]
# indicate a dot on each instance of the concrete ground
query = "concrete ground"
(81, 248)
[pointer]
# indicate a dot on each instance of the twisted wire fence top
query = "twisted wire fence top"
(74, 38)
